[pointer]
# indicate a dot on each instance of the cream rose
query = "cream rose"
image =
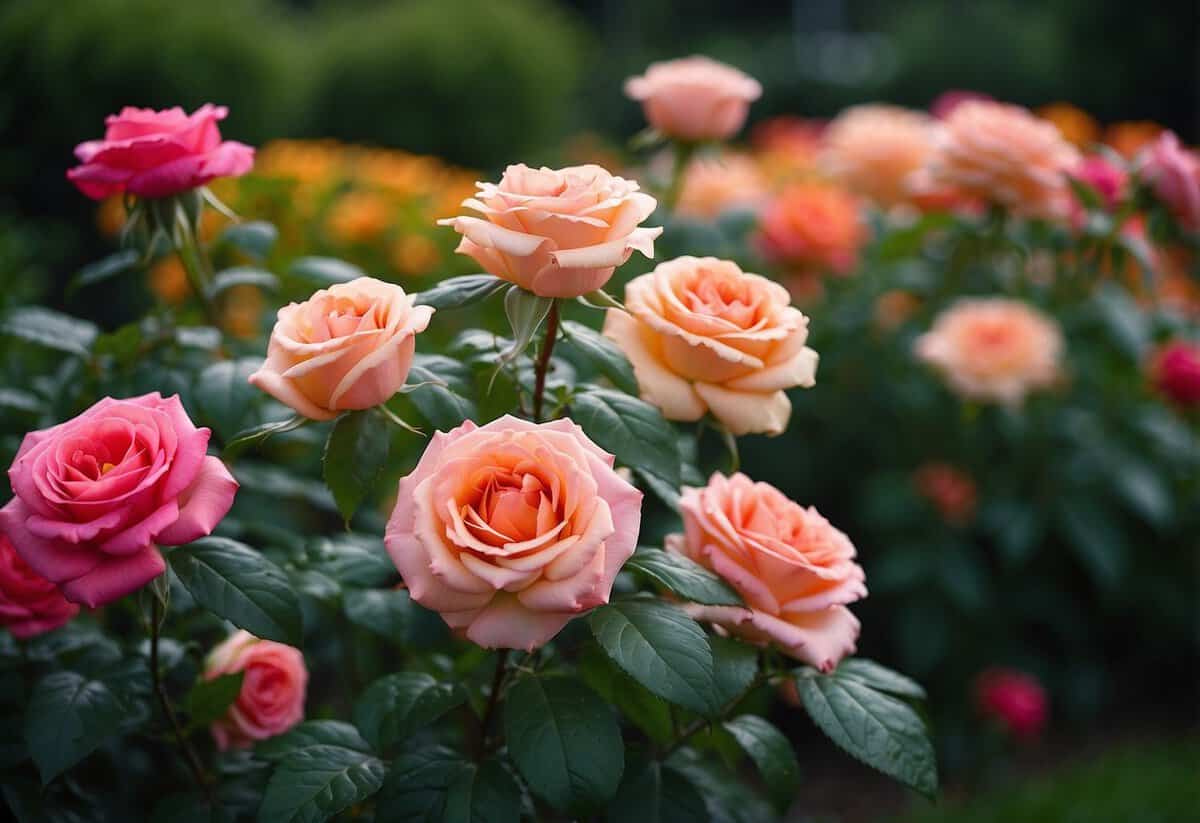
(347, 347)
(556, 233)
(795, 571)
(694, 98)
(511, 529)
(704, 336)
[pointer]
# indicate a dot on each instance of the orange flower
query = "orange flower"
(1076, 125)
(813, 226)
(874, 150)
(1130, 137)
(414, 255)
(712, 185)
(168, 280)
(110, 217)
(358, 217)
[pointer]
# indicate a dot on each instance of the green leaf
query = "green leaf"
(210, 699)
(198, 337)
(309, 734)
(20, 400)
(416, 787)
(665, 491)
(660, 647)
(525, 311)
(735, 665)
(1097, 538)
(565, 741)
(258, 434)
(355, 453)
(653, 793)
(395, 706)
(455, 292)
(1085, 193)
(242, 276)
(225, 398)
(254, 238)
(602, 354)
(103, 269)
(484, 793)
(51, 329)
(639, 705)
(1127, 324)
(683, 576)
(600, 299)
(881, 731)
(879, 678)
(443, 406)
(771, 753)
(631, 429)
(239, 584)
(387, 612)
(353, 559)
(324, 271)
(67, 718)
(315, 783)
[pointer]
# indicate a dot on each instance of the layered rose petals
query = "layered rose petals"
(29, 603)
(96, 495)
(1174, 173)
(876, 151)
(556, 233)
(694, 98)
(271, 700)
(795, 571)
(510, 529)
(704, 336)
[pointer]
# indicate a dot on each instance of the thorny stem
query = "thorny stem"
(543, 361)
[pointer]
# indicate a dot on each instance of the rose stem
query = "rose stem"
(543, 361)
(164, 702)
(683, 152)
(700, 723)
(493, 698)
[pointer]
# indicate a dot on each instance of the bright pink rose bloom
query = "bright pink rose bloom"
(948, 101)
(1015, 699)
(96, 495)
(1174, 172)
(152, 153)
(694, 98)
(511, 529)
(1176, 372)
(29, 603)
(1109, 180)
(273, 686)
(795, 571)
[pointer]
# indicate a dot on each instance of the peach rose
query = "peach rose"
(347, 347)
(1174, 173)
(271, 700)
(812, 226)
(511, 529)
(993, 349)
(1004, 154)
(29, 603)
(556, 233)
(795, 571)
(874, 150)
(694, 98)
(712, 185)
(1075, 124)
(704, 336)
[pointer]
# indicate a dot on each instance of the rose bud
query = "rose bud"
(271, 700)
(1016, 700)
(1175, 370)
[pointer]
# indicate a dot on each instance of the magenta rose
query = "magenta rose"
(97, 495)
(1015, 700)
(29, 603)
(152, 153)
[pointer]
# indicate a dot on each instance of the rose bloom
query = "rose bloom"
(1174, 173)
(694, 98)
(347, 347)
(556, 233)
(704, 336)
(1075, 124)
(1107, 179)
(813, 226)
(874, 150)
(794, 570)
(29, 603)
(271, 700)
(1129, 137)
(950, 489)
(1014, 699)
(787, 147)
(948, 101)
(1175, 370)
(993, 349)
(1004, 154)
(97, 495)
(151, 153)
(713, 185)
(509, 530)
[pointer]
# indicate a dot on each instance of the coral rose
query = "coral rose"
(813, 226)
(96, 495)
(1174, 173)
(713, 185)
(1004, 154)
(511, 529)
(874, 150)
(556, 233)
(271, 700)
(347, 347)
(704, 336)
(1176, 372)
(1014, 699)
(694, 98)
(29, 603)
(993, 349)
(795, 571)
(151, 153)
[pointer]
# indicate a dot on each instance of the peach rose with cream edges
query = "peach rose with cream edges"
(347, 347)
(694, 98)
(794, 570)
(704, 336)
(556, 233)
(511, 529)
(271, 699)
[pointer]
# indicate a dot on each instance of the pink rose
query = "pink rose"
(704, 336)
(158, 153)
(795, 571)
(273, 685)
(1015, 699)
(1107, 179)
(556, 233)
(694, 98)
(29, 603)
(511, 529)
(347, 347)
(951, 99)
(1176, 372)
(96, 495)
(1174, 172)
